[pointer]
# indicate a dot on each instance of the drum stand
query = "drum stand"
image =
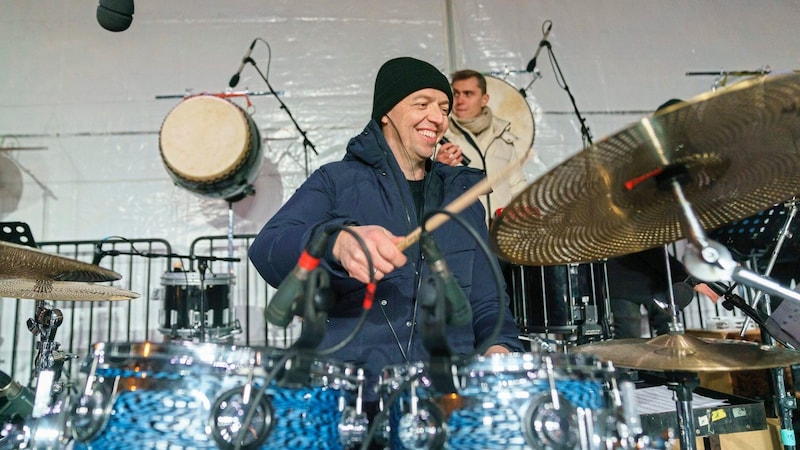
(49, 360)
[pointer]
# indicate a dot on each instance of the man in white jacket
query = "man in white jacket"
(484, 139)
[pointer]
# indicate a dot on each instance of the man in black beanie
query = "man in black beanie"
(380, 191)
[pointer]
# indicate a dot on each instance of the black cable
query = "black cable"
(498, 276)
(248, 418)
(384, 414)
(364, 311)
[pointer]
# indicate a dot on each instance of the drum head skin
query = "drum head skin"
(507, 103)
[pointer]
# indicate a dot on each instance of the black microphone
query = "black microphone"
(115, 15)
(235, 78)
(285, 303)
(464, 160)
(98, 253)
(683, 294)
(459, 308)
(532, 63)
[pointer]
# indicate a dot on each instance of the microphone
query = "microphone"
(115, 15)
(683, 293)
(464, 160)
(284, 303)
(459, 308)
(235, 78)
(545, 33)
(98, 253)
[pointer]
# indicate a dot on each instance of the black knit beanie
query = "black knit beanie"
(399, 77)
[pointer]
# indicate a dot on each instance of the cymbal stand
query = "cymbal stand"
(773, 258)
(683, 383)
(49, 360)
(202, 266)
(710, 261)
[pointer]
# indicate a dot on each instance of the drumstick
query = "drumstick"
(469, 197)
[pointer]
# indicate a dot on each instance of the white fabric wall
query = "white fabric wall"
(89, 96)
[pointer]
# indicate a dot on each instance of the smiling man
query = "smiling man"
(381, 189)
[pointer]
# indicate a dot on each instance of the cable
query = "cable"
(370, 291)
(498, 276)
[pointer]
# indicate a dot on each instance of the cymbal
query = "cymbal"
(62, 291)
(18, 261)
(739, 149)
(680, 352)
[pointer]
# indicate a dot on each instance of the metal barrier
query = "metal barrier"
(142, 268)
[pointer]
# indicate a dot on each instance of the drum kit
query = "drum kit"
(716, 159)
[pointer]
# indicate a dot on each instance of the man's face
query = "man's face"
(468, 99)
(420, 119)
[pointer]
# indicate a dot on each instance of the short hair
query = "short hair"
(466, 74)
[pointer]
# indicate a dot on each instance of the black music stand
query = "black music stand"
(17, 233)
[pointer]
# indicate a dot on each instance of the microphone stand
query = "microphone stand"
(307, 144)
(433, 308)
(562, 82)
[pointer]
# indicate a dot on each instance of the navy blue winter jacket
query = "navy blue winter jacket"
(368, 188)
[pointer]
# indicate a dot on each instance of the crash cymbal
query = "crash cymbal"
(683, 353)
(62, 290)
(18, 261)
(738, 150)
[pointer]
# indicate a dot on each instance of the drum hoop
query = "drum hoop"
(193, 279)
(243, 153)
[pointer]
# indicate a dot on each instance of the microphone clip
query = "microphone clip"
(431, 299)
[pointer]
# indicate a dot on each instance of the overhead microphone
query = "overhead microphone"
(547, 25)
(286, 301)
(459, 309)
(115, 15)
(235, 78)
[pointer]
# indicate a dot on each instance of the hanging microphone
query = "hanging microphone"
(546, 27)
(115, 15)
(235, 78)
(459, 308)
(286, 301)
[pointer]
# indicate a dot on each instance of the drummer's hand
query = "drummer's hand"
(382, 246)
(496, 349)
(707, 291)
(449, 154)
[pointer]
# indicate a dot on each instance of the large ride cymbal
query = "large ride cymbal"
(18, 261)
(739, 148)
(683, 353)
(62, 291)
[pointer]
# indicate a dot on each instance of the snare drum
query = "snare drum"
(196, 396)
(182, 296)
(514, 401)
(570, 299)
(212, 147)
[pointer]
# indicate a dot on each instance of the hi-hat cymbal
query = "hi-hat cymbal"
(62, 291)
(683, 353)
(18, 261)
(738, 149)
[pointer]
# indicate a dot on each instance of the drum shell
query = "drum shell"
(160, 395)
(236, 182)
(494, 394)
(182, 297)
(564, 299)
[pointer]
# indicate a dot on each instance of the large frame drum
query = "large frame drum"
(212, 147)
(506, 102)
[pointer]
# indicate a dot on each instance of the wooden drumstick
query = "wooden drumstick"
(483, 187)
